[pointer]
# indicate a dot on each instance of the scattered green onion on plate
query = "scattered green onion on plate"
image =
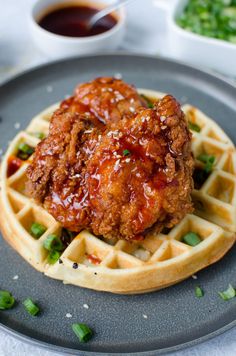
(228, 293)
(199, 292)
(82, 331)
(31, 307)
(7, 301)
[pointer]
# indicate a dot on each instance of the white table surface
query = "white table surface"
(17, 53)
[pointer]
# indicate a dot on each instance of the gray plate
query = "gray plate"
(175, 317)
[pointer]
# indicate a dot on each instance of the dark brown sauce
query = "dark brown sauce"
(72, 21)
(13, 164)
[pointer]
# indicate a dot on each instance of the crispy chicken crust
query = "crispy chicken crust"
(117, 172)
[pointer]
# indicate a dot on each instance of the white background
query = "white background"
(17, 52)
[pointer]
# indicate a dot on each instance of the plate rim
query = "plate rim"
(60, 349)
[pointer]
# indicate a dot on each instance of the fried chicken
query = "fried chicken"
(140, 175)
(120, 179)
(104, 100)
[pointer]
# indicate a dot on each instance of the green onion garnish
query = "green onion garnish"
(53, 243)
(199, 292)
(194, 127)
(82, 331)
(23, 147)
(31, 307)
(39, 135)
(228, 293)
(148, 101)
(191, 239)
(37, 230)
(53, 257)
(126, 152)
(209, 161)
(24, 151)
(6, 300)
(210, 18)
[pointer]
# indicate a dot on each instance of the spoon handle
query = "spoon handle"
(114, 6)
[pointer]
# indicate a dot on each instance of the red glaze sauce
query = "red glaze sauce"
(71, 21)
(93, 259)
(13, 164)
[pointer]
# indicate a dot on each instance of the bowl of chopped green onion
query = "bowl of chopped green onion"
(201, 32)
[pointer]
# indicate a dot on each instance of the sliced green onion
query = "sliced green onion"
(39, 135)
(37, 230)
(31, 307)
(209, 161)
(126, 152)
(82, 331)
(24, 151)
(148, 101)
(25, 148)
(53, 257)
(6, 300)
(194, 127)
(228, 293)
(53, 243)
(191, 239)
(199, 292)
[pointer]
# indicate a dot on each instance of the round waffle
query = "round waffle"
(120, 266)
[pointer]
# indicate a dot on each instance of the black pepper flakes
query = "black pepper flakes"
(75, 265)
(95, 273)
(60, 261)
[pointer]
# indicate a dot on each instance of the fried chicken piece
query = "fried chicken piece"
(104, 100)
(140, 176)
(118, 182)
(56, 175)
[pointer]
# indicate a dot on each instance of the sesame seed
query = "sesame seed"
(110, 90)
(117, 165)
(88, 131)
(132, 109)
(15, 277)
(85, 306)
(163, 127)
(143, 119)
(145, 316)
(76, 175)
(127, 160)
(118, 76)
(162, 118)
(194, 276)
(131, 100)
(68, 315)
(49, 89)
(17, 125)
(109, 134)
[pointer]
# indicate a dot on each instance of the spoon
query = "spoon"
(107, 10)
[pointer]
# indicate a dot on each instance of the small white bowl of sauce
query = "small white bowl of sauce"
(59, 29)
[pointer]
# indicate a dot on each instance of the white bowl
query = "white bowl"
(58, 46)
(193, 48)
